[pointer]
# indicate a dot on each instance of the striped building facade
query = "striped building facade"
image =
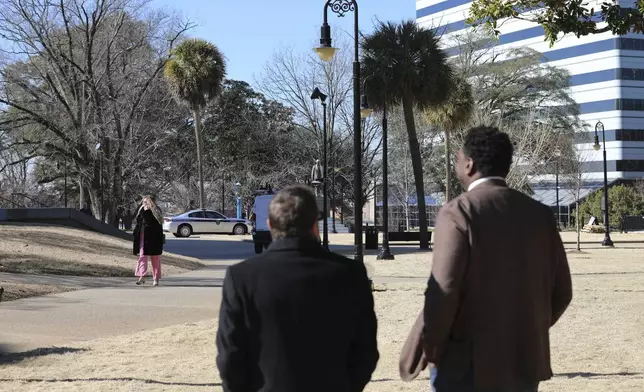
(607, 81)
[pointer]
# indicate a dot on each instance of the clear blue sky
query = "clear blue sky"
(249, 31)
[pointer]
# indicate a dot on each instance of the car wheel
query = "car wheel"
(185, 231)
(239, 230)
(258, 248)
(176, 235)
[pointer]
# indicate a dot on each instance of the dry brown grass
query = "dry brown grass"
(13, 291)
(64, 250)
(597, 346)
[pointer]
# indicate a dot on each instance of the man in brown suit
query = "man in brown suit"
(500, 278)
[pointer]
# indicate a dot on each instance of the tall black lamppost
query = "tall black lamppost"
(326, 52)
(600, 127)
(317, 94)
(385, 251)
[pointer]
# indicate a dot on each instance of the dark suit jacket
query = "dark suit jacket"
(296, 318)
(500, 279)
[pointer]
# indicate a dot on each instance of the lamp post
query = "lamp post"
(385, 251)
(600, 127)
(237, 185)
(326, 52)
(317, 94)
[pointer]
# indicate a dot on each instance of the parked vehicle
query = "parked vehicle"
(261, 233)
(205, 222)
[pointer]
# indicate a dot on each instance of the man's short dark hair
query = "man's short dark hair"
(490, 149)
(293, 212)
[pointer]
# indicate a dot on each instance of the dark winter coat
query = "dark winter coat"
(152, 234)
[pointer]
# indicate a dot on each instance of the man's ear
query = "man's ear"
(469, 167)
(268, 223)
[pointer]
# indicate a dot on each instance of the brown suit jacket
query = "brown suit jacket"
(500, 279)
(412, 357)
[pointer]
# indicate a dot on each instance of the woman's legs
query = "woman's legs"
(142, 265)
(156, 267)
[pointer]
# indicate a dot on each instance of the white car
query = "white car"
(205, 222)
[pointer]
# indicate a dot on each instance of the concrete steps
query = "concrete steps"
(339, 227)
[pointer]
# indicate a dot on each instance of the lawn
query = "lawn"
(55, 250)
(597, 346)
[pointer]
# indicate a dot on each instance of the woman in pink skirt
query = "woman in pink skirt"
(148, 240)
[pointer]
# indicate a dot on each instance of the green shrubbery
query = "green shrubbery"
(623, 200)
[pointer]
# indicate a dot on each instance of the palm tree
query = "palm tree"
(195, 74)
(453, 114)
(417, 75)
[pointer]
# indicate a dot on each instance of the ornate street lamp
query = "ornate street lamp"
(365, 110)
(317, 94)
(326, 53)
(599, 127)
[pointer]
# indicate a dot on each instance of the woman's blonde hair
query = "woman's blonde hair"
(156, 211)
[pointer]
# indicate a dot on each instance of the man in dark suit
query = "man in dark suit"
(296, 318)
(500, 278)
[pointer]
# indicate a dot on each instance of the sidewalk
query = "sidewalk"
(61, 280)
(123, 308)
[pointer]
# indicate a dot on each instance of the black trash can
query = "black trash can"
(371, 237)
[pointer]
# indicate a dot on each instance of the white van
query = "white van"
(261, 234)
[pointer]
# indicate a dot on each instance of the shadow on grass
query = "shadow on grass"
(33, 264)
(593, 375)
(116, 379)
(9, 358)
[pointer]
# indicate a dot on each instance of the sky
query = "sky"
(248, 32)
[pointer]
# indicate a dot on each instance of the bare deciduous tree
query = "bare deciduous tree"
(290, 77)
(82, 81)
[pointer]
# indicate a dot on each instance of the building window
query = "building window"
(630, 104)
(631, 44)
(631, 74)
(630, 135)
(630, 165)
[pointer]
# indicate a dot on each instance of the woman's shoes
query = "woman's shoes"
(140, 281)
(155, 283)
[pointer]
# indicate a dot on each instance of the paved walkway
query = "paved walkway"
(116, 306)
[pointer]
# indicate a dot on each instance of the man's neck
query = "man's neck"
(481, 180)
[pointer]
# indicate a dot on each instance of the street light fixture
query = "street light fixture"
(317, 94)
(599, 127)
(326, 53)
(385, 251)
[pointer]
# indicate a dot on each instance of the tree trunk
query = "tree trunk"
(448, 171)
(197, 114)
(578, 225)
(577, 222)
(417, 165)
(81, 193)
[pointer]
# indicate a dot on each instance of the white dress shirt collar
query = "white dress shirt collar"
(482, 180)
